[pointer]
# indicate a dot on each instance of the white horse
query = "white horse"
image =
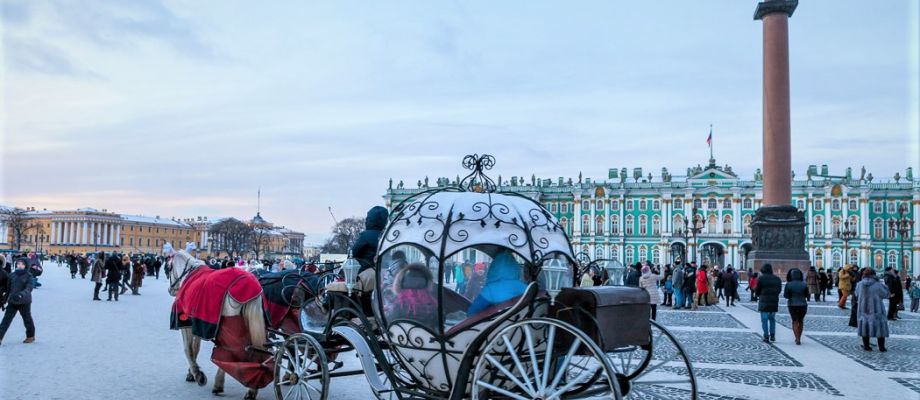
(180, 267)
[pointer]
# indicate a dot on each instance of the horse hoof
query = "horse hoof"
(189, 377)
(201, 379)
(217, 392)
(249, 396)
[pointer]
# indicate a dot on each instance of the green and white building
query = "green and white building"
(642, 217)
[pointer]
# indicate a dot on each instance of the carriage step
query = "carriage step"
(365, 356)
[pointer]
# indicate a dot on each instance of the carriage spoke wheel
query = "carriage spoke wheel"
(660, 371)
(301, 371)
(543, 359)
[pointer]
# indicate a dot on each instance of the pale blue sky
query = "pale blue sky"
(185, 108)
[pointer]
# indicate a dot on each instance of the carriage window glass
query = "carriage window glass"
(407, 287)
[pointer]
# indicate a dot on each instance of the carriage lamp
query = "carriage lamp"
(553, 273)
(615, 271)
(351, 268)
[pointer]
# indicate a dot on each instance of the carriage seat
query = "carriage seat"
(483, 315)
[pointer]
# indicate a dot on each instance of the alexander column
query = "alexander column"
(778, 229)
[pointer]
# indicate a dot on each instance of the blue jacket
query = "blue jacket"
(503, 282)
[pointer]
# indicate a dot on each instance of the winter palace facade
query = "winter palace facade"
(641, 217)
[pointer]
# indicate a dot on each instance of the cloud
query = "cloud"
(37, 56)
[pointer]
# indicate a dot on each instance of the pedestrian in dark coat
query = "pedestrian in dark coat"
(137, 277)
(19, 300)
(767, 291)
(365, 248)
(811, 280)
(896, 293)
(125, 267)
(4, 286)
(72, 262)
(157, 264)
(824, 285)
(84, 266)
(730, 286)
(870, 313)
(96, 274)
(112, 275)
(632, 276)
(797, 292)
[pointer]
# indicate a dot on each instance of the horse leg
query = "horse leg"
(253, 315)
(218, 382)
(251, 394)
(192, 346)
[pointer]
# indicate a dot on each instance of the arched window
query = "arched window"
(712, 224)
(629, 254)
(878, 229)
(891, 232)
(643, 205)
(853, 205)
(697, 203)
(614, 253)
(854, 224)
(879, 259)
(629, 205)
(746, 203)
(614, 224)
(599, 253)
(727, 203)
(656, 256)
(906, 258)
(678, 222)
(678, 203)
(819, 258)
(854, 257)
(818, 204)
(564, 223)
(819, 226)
(643, 225)
(835, 205)
(835, 259)
(892, 259)
(800, 204)
(656, 205)
(835, 225)
(656, 225)
(585, 225)
(600, 205)
(599, 225)
(747, 224)
(614, 204)
(727, 225)
(629, 225)
(711, 204)
(643, 254)
(585, 205)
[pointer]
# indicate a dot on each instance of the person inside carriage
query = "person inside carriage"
(413, 286)
(503, 282)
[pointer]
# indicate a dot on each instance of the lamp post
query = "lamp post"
(682, 234)
(696, 229)
(846, 235)
(902, 226)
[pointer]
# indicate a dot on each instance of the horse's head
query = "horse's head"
(178, 268)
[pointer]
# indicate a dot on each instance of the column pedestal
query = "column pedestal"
(778, 234)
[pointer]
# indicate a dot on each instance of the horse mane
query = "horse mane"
(184, 256)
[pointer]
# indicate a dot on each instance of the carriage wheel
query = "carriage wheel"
(662, 370)
(543, 359)
(301, 370)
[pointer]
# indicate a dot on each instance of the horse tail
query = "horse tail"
(253, 314)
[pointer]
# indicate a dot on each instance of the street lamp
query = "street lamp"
(696, 229)
(902, 225)
(682, 234)
(848, 233)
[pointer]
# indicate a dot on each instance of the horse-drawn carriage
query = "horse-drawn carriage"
(511, 327)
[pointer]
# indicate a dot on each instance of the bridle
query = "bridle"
(174, 284)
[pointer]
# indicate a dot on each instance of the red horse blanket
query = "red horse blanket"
(199, 300)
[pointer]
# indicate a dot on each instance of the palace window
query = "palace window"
(697, 203)
(877, 207)
(564, 223)
(656, 256)
(629, 254)
(891, 232)
(747, 204)
(835, 205)
(852, 205)
(727, 225)
(892, 259)
(552, 207)
(747, 224)
(853, 224)
(712, 224)
(585, 225)
(879, 259)
(148, 242)
(585, 205)
(656, 225)
(614, 204)
(854, 257)
(599, 253)
(629, 225)
(656, 205)
(819, 226)
(835, 259)
(878, 229)
(678, 203)
(678, 222)
(891, 208)
(711, 204)
(819, 204)
(599, 226)
(642, 205)
(727, 203)
(643, 253)
(614, 254)
(819, 258)
(600, 205)
(614, 224)
(629, 205)
(800, 204)
(835, 225)
(643, 225)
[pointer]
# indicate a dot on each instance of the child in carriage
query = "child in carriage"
(413, 286)
(503, 282)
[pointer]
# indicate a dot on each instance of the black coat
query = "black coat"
(20, 287)
(729, 283)
(768, 288)
(112, 270)
(632, 277)
(365, 248)
(894, 287)
(4, 283)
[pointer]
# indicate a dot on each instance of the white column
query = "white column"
(828, 226)
(622, 222)
(607, 226)
(92, 233)
(592, 222)
(118, 235)
(67, 232)
(108, 234)
(73, 232)
(737, 217)
(810, 206)
(576, 219)
(864, 226)
(84, 230)
(53, 231)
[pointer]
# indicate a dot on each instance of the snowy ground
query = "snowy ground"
(124, 350)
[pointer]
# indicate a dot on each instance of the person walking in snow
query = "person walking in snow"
(96, 274)
(19, 300)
